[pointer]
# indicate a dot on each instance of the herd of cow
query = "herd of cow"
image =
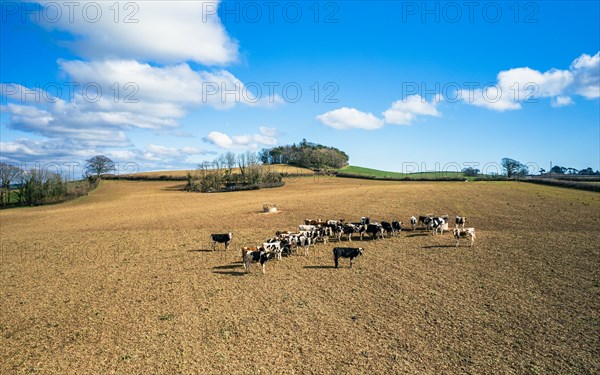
(313, 231)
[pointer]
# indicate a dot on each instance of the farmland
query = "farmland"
(122, 281)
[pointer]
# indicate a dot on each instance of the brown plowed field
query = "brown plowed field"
(122, 281)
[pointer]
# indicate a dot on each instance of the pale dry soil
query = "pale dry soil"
(123, 281)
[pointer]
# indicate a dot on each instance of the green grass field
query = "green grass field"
(384, 174)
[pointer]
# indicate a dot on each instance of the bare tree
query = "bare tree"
(230, 161)
(242, 164)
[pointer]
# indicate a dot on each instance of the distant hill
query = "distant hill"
(375, 173)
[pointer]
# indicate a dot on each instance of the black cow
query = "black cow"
(425, 220)
(387, 226)
(221, 238)
(346, 252)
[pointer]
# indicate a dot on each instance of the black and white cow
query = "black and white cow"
(296, 240)
(348, 230)
(274, 247)
(460, 221)
(464, 233)
(323, 234)
(260, 255)
(373, 230)
(346, 252)
(397, 227)
(365, 220)
(437, 225)
(221, 238)
(413, 222)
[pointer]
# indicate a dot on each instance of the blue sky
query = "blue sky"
(398, 85)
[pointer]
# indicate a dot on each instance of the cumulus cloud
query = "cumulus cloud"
(404, 112)
(159, 31)
(561, 101)
(522, 85)
(148, 97)
(586, 72)
(350, 118)
(243, 142)
(166, 91)
(68, 154)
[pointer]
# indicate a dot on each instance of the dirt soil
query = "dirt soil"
(123, 281)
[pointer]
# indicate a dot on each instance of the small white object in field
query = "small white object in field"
(269, 208)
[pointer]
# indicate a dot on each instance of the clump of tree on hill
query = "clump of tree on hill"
(37, 186)
(305, 154)
(42, 185)
(232, 172)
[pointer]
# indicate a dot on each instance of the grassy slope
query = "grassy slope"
(282, 168)
(384, 174)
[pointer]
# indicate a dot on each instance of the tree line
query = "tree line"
(230, 172)
(35, 186)
(305, 154)
(557, 169)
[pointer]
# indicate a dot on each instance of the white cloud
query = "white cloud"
(162, 91)
(173, 151)
(586, 70)
(158, 31)
(242, 142)
(514, 82)
(522, 85)
(350, 118)
(561, 101)
(271, 132)
(492, 97)
(157, 99)
(404, 112)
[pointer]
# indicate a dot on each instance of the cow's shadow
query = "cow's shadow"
(201, 251)
(421, 234)
(437, 246)
(231, 273)
(228, 266)
(232, 269)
